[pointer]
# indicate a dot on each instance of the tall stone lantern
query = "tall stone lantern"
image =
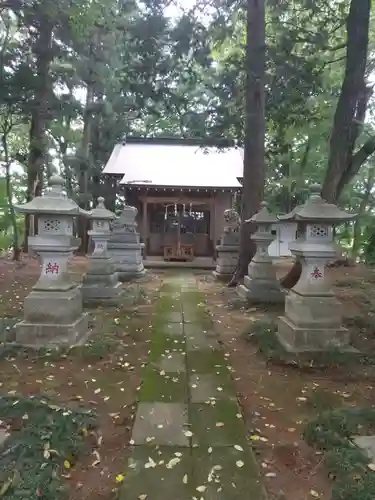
(124, 246)
(312, 319)
(53, 309)
(101, 284)
(261, 284)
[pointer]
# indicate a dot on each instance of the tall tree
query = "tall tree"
(344, 161)
(254, 148)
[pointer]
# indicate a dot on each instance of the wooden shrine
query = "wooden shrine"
(180, 190)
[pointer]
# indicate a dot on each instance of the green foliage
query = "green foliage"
(44, 436)
(346, 464)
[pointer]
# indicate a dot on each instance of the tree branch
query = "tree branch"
(358, 159)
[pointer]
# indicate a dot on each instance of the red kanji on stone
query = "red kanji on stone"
(52, 268)
(317, 273)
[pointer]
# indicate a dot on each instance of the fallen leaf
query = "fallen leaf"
(201, 489)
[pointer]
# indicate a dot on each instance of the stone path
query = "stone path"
(189, 439)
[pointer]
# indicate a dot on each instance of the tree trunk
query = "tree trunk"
(7, 160)
(352, 100)
(84, 158)
(253, 174)
(39, 117)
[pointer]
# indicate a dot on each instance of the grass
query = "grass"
(44, 442)
(345, 463)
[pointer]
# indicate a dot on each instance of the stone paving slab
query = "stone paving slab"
(161, 424)
(199, 341)
(208, 361)
(220, 424)
(158, 473)
(174, 317)
(174, 362)
(367, 444)
(205, 387)
(162, 345)
(164, 387)
(196, 328)
(174, 330)
(227, 473)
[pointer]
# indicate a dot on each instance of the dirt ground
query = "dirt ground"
(279, 400)
(104, 378)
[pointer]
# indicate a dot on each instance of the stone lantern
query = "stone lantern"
(53, 309)
(228, 249)
(313, 315)
(124, 246)
(101, 284)
(261, 284)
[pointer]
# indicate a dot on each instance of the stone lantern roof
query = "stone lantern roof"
(263, 216)
(100, 212)
(54, 201)
(318, 210)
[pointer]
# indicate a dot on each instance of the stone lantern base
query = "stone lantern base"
(261, 284)
(53, 318)
(128, 260)
(312, 323)
(100, 284)
(226, 262)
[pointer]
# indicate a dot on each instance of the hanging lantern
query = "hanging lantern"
(175, 208)
(166, 212)
(190, 205)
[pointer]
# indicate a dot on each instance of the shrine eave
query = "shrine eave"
(145, 187)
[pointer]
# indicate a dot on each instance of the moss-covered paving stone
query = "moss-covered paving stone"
(158, 473)
(161, 344)
(207, 361)
(218, 424)
(206, 386)
(174, 330)
(161, 424)
(173, 317)
(172, 362)
(227, 473)
(200, 340)
(165, 387)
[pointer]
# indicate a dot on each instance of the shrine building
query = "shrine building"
(181, 189)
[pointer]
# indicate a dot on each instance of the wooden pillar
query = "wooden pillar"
(145, 227)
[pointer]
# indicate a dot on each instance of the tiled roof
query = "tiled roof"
(176, 165)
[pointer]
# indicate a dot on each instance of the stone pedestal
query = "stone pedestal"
(313, 315)
(261, 284)
(100, 284)
(228, 250)
(124, 246)
(53, 312)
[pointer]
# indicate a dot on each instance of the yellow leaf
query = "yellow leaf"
(120, 478)
(67, 464)
(84, 431)
(254, 437)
